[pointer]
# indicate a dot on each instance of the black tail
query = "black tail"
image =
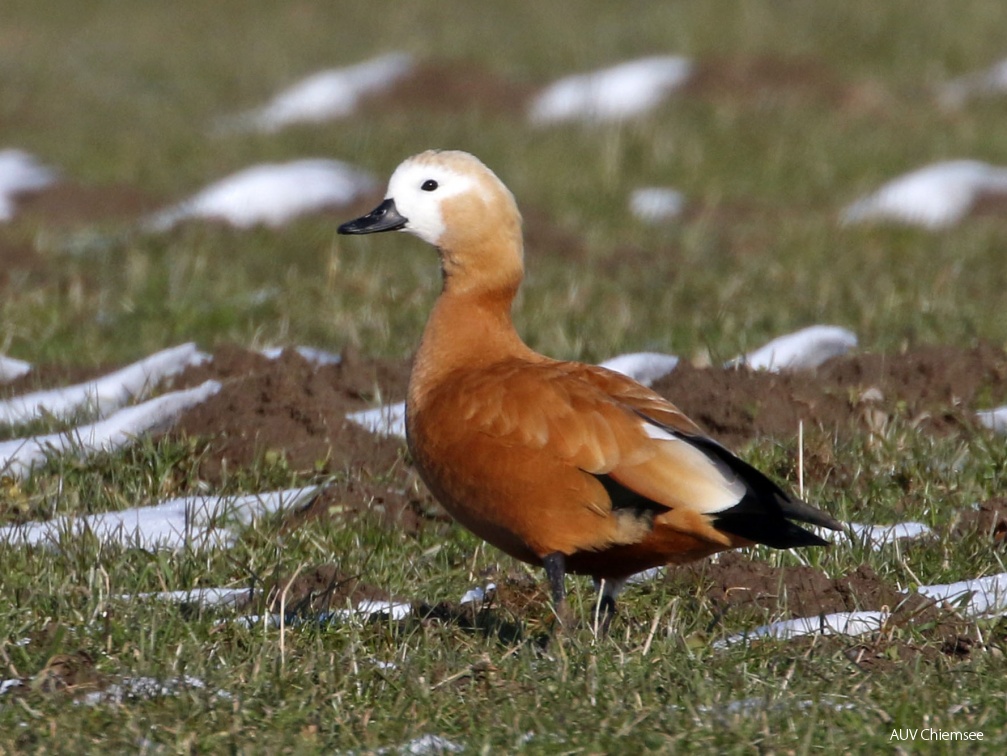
(765, 512)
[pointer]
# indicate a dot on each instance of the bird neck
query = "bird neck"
(466, 329)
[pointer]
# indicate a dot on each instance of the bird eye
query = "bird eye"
(429, 185)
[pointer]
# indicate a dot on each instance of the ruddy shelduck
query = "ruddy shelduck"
(560, 464)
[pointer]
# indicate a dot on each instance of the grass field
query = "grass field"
(817, 103)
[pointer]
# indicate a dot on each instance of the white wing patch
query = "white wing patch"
(713, 486)
(658, 433)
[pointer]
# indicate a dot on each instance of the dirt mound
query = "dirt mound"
(454, 86)
(988, 520)
(402, 502)
(292, 410)
(68, 204)
(19, 263)
(989, 206)
(297, 409)
(926, 378)
(762, 593)
(936, 388)
(763, 77)
(734, 581)
(544, 238)
(53, 376)
(64, 206)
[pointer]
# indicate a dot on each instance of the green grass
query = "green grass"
(654, 684)
(123, 93)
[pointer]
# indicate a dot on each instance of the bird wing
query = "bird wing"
(604, 424)
(647, 454)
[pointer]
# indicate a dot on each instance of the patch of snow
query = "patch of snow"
(104, 394)
(994, 419)
(477, 595)
(878, 536)
(387, 420)
(324, 96)
(270, 194)
(425, 745)
(623, 91)
(751, 706)
(311, 354)
(805, 349)
(197, 522)
(131, 689)
(936, 196)
(394, 610)
(20, 173)
(980, 597)
(11, 368)
(840, 623)
(643, 367)
(146, 688)
(656, 204)
(991, 81)
(203, 597)
(20, 455)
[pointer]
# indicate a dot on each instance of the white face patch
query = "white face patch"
(422, 207)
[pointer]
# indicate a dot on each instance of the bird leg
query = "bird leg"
(608, 589)
(555, 570)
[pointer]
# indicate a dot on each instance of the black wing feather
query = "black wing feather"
(764, 513)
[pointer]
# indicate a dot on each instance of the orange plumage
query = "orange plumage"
(570, 466)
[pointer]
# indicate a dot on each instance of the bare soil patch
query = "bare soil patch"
(936, 388)
(63, 207)
(401, 501)
(764, 77)
(72, 204)
(543, 237)
(761, 593)
(990, 205)
(47, 376)
(769, 80)
(454, 86)
(292, 410)
(20, 264)
(735, 582)
(458, 86)
(988, 520)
